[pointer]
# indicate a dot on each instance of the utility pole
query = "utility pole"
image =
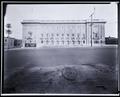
(91, 26)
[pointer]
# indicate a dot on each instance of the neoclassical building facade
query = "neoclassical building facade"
(42, 33)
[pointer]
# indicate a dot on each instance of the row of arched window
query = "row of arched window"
(63, 42)
(54, 38)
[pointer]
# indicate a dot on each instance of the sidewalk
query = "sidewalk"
(49, 47)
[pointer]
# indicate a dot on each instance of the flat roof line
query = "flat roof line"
(61, 21)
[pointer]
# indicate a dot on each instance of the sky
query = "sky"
(16, 13)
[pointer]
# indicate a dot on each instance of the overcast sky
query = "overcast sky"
(16, 13)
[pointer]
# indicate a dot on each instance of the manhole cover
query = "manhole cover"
(69, 73)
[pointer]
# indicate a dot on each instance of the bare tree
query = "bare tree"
(8, 31)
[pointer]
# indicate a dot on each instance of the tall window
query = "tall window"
(83, 41)
(68, 41)
(78, 34)
(47, 41)
(96, 35)
(47, 34)
(57, 34)
(78, 42)
(67, 34)
(83, 36)
(63, 41)
(57, 41)
(42, 35)
(52, 41)
(5, 40)
(41, 41)
(73, 42)
(52, 34)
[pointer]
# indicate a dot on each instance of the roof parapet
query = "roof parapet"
(60, 21)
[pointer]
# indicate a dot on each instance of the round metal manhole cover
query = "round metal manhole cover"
(69, 73)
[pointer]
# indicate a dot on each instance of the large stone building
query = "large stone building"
(63, 33)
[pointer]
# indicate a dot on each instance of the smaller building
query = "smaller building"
(12, 43)
(17, 43)
(111, 40)
(8, 42)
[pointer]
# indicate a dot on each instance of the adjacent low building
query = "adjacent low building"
(12, 43)
(39, 33)
(17, 43)
(8, 42)
(111, 40)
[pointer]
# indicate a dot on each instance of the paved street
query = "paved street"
(64, 70)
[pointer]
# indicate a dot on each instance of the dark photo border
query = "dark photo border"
(3, 12)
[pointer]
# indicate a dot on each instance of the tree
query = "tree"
(8, 31)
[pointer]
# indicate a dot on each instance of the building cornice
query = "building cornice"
(61, 21)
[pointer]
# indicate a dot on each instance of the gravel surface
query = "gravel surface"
(62, 79)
